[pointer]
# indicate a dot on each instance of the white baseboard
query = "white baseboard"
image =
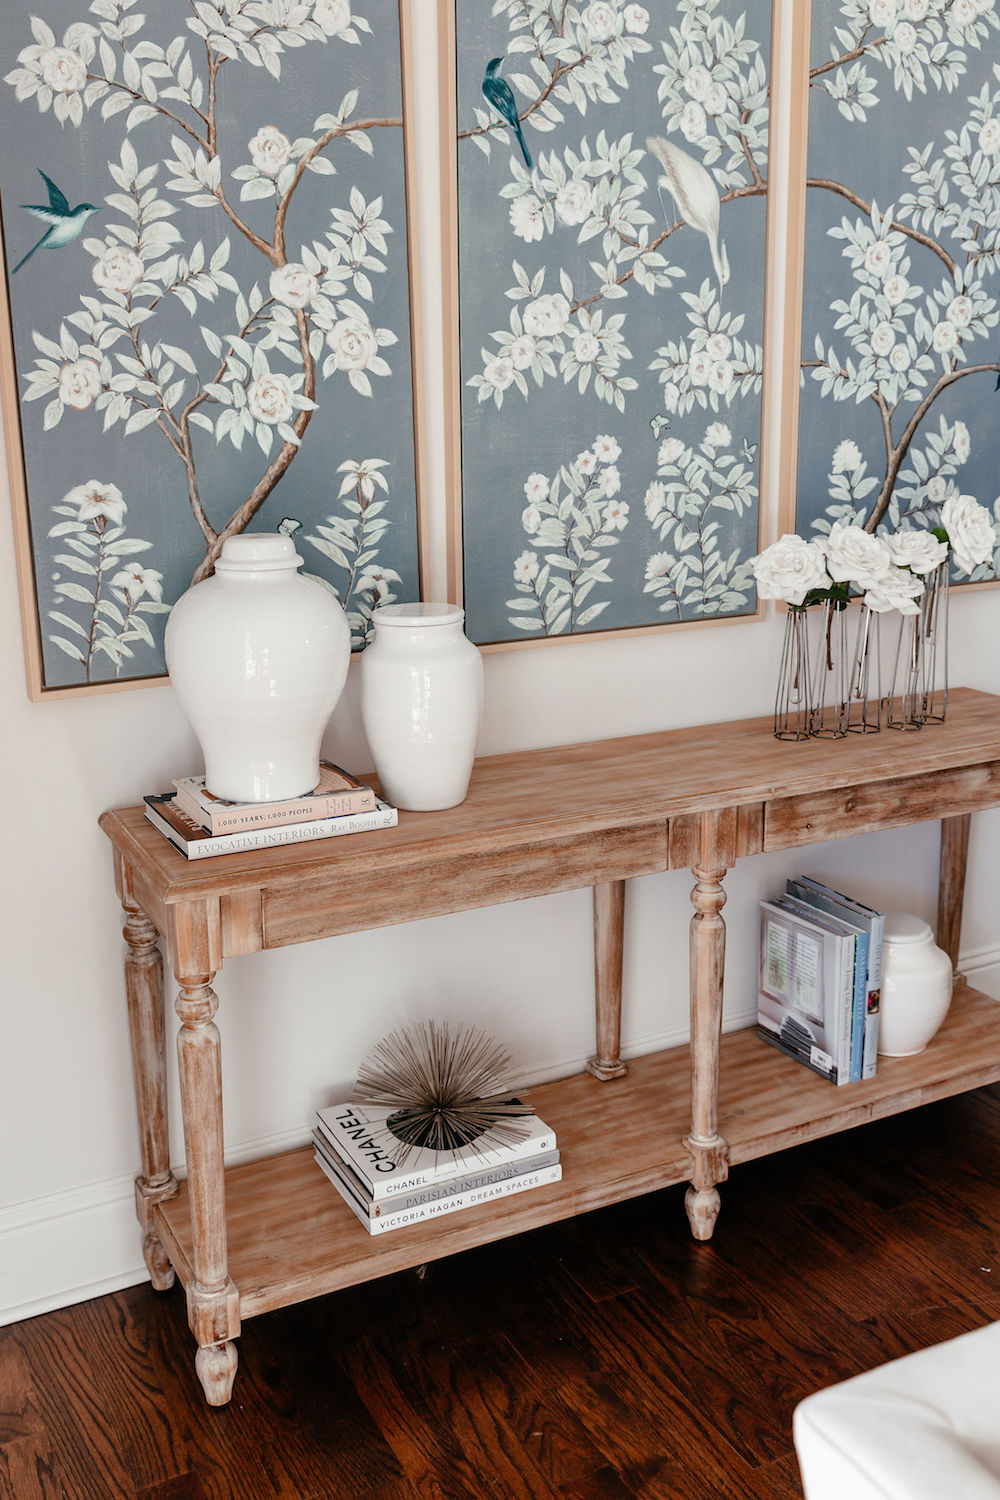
(85, 1242)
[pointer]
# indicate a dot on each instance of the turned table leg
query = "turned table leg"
(609, 928)
(213, 1300)
(144, 992)
(708, 951)
(951, 884)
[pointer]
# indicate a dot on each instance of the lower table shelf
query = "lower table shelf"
(291, 1237)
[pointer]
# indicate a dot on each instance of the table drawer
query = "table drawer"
(817, 816)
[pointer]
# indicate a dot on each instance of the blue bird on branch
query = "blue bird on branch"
(499, 93)
(65, 223)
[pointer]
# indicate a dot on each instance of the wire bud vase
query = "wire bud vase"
(828, 672)
(864, 710)
(933, 645)
(793, 701)
(904, 700)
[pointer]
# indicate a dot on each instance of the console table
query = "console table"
(268, 1233)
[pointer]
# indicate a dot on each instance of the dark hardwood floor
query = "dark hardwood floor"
(608, 1358)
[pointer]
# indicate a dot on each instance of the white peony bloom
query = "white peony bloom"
(915, 10)
(602, 20)
(716, 99)
(896, 589)
(970, 531)
(659, 565)
(878, 258)
(904, 36)
(937, 488)
(536, 487)
(693, 122)
(963, 11)
(292, 285)
(118, 270)
(670, 451)
(499, 372)
(586, 348)
(270, 150)
(789, 569)
(718, 346)
(63, 70)
(895, 289)
(616, 515)
(697, 82)
(846, 457)
(883, 338)
(79, 384)
(531, 517)
(854, 555)
(525, 567)
(332, 16)
(606, 449)
(717, 435)
(269, 398)
(699, 366)
(611, 482)
(989, 137)
(547, 316)
(881, 12)
(960, 442)
(636, 19)
(720, 376)
(920, 551)
(900, 358)
(960, 311)
(573, 202)
(521, 352)
(94, 499)
(945, 336)
(525, 214)
(671, 396)
(138, 581)
(353, 343)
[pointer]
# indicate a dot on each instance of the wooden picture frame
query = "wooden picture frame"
(355, 483)
(878, 430)
(471, 498)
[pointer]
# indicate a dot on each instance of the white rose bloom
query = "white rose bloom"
(607, 450)
(846, 457)
(883, 338)
(720, 376)
(982, 6)
(671, 396)
(789, 569)
(659, 565)
(654, 500)
(137, 581)
(536, 487)
(963, 11)
(611, 482)
(616, 515)
(878, 258)
(521, 352)
(904, 37)
(525, 567)
(960, 442)
(697, 82)
(970, 531)
(499, 372)
(269, 398)
(693, 122)
(717, 435)
(881, 12)
(585, 348)
(63, 70)
(670, 451)
(937, 488)
(960, 311)
(525, 216)
(292, 285)
(79, 384)
(332, 16)
(920, 551)
(718, 346)
(547, 316)
(945, 336)
(96, 499)
(353, 343)
(854, 555)
(699, 366)
(915, 10)
(531, 518)
(270, 150)
(895, 289)
(896, 589)
(636, 19)
(899, 358)
(989, 137)
(573, 202)
(602, 20)
(715, 100)
(118, 270)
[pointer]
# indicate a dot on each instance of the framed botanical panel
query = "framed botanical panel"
(899, 396)
(606, 176)
(209, 315)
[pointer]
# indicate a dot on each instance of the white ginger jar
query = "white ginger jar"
(422, 704)
(917, 981)
(258, 658)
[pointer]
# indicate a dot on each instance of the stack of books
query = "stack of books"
(821, 979)
(354, 1147)
(200, 824)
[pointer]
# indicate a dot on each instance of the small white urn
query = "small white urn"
(422, 704)
(258, 658)
(917, 982)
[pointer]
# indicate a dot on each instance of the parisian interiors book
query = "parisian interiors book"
(195, 842)
(806, 987)
(872, 922)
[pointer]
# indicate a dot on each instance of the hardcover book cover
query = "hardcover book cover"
(806, 987)
(336, 793)
(195, 842)
(874, 923)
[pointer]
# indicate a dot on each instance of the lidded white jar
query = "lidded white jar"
(422, 704)
(258, 658)
(917, 982)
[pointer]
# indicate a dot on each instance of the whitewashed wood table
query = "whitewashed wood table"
(268, 1233)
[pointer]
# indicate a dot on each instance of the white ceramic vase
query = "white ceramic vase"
(917, 983)
(422, 703)
(258, 658)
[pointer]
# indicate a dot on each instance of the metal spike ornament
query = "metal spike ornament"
(447, 1090)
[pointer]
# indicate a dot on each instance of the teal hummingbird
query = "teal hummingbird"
(65, 223)
(500, 94)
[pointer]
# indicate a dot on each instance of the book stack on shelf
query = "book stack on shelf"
(820, 979)
(199, 824)
(355, 1148)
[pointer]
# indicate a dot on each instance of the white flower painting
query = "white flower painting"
(900, 399)
(209, 291)
(612, 184)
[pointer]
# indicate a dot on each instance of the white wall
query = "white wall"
(294, 1022)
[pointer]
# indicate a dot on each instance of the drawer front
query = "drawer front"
(816, 816)
(410, 892)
